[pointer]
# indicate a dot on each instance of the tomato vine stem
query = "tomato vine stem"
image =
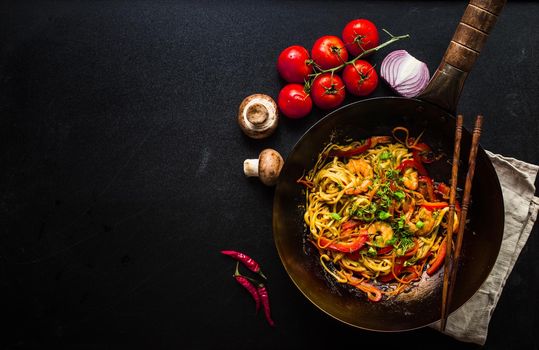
(392, 39)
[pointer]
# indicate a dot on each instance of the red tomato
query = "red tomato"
(329, 52)
(328, 91)
(293, 64)
(360, 35)
(294, 102)
(360, 78)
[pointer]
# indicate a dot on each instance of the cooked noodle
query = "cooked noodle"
(376, 218)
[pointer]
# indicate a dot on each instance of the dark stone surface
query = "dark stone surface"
(122, 167)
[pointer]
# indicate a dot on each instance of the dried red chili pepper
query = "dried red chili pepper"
(264, 297)
(246, 283)
(246, 260)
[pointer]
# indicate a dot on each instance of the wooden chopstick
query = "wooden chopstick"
(451, 213)
(446, 302)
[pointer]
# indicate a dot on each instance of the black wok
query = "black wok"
(433, 112)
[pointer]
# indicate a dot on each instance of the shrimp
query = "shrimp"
(423, 216)
(362, 188)
(360, 167)
(382, 233)
(364, 169)
(410, 179)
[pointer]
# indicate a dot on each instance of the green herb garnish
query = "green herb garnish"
(392, 240)
(392, 174)
(399, 194)
(385, 155)
(366, 214)
(371, 251)
(384, 215)
(335, 216)
(404, 244)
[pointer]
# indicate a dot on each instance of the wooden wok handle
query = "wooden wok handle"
(470, 36)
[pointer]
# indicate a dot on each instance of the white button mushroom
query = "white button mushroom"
(258, 116)
(267, 167)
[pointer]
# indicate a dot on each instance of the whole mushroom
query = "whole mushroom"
(267, 167)
(258, 116)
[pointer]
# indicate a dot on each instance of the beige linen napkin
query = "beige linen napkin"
(470, 322)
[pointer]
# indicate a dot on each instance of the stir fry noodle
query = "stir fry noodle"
(376, 218)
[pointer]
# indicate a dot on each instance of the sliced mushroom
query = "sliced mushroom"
(267, 167)
(258, 116)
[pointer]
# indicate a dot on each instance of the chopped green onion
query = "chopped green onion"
(384, 215)
(392, 240)
(401, 221)
(371, 251)
(392, 173)
(336, 216)
(399, 194)
(385, 155)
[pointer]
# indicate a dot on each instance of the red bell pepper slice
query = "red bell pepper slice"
(439, 259)
(418, 153)
(412, 274)
(345, 247)
(399, 264)
(354, 255)
(443, 189)
(420, 168)
(405, 164)
(350, 224)
(387, 278)
(431, 206)
(412, 163)
(397, 268)
(384, 250)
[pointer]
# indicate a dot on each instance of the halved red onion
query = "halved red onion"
(404, 73)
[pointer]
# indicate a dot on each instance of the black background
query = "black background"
(121, 167)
